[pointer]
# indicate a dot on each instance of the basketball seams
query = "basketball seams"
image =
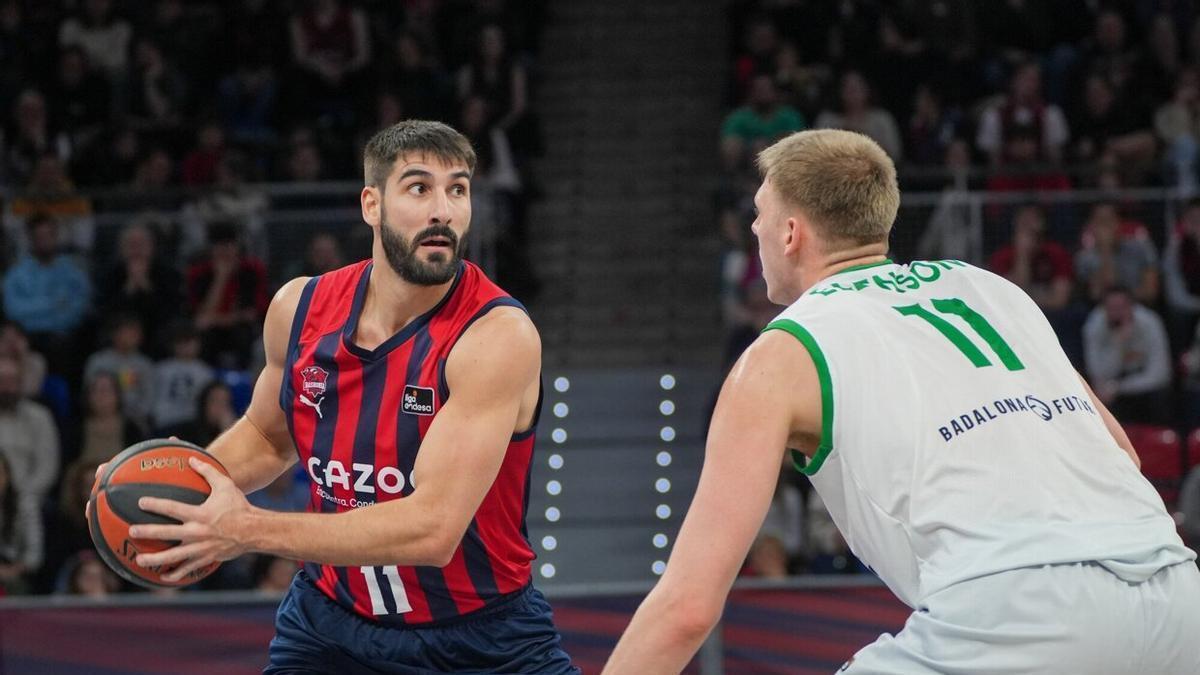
(109, 517)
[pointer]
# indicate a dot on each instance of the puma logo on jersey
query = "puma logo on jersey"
(315, 405)
(417, 400)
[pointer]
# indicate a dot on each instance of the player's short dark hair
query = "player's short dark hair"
(413, 137)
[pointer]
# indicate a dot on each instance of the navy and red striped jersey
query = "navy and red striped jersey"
(357, 417)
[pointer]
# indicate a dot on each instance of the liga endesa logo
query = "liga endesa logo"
(417, 400)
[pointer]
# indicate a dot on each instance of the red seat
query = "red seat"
(1162, 458)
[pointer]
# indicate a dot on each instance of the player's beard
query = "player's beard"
(403, 257)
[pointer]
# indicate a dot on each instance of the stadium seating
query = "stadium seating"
(1162, 458)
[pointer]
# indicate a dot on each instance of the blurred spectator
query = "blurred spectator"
(767, 559)
(752, 311)
(501, 80)
(780, 538)
(227, 293)
(273, 574)
(253, 32)
(1040, 267)
(16, 49)
(124, 359)
(331, 48)
(247, 100)
(740, 265)
(761, 48)
(422, 90)
(14, 344)
(1128, 359)
(761, 121)
(102, 35)
(185, 31)
(801, 85)
(496, 237)
(1109, 57)
(45, 292)
(21, 534)
(214, 414)
(858, 113)
(141, 283)
(827, 550)
(199, 166)
(31, 137)
(1162, 61)
(51, 192)
(67, 523)
(28, 437)
(179, 379)
(1106, 124)
(1177, 123)
(304, 163)
(111, 160)
(953, 232)
(230, 199)
(932, 128)
(285, 493)
(156, 96)
(322, 254)
(151, 191)
(1020, 117)
(87, 576)
(82, 99)
(1189, 508)
(1117, 253)
(103, 428)
(1181, 269)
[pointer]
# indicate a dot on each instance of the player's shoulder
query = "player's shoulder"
(338, 281)
(503, 325)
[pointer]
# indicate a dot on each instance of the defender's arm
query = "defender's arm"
(772, 395)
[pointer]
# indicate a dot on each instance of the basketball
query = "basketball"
(154, 468)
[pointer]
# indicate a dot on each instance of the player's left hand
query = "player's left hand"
(205, 532)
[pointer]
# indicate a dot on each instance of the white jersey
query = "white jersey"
(957, 439)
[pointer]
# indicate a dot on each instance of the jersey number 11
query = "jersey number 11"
(956, 307)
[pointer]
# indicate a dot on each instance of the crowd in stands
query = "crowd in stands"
(1023, 123)
(142, 150)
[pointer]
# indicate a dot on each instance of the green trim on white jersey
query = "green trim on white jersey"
(804, 465)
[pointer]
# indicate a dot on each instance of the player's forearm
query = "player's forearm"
(251, 460)
(662, 638)
(392, 533)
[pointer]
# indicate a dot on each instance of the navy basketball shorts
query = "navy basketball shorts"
(314, 634)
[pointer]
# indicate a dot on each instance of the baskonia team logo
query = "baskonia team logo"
(313, 392)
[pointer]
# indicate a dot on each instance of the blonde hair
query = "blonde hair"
(842, 181)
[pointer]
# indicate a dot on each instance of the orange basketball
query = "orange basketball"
(154, 468)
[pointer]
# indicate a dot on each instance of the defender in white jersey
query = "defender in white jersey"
(957, 450)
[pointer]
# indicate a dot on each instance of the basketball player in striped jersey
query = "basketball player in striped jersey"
(408, 387)
(961, 456)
